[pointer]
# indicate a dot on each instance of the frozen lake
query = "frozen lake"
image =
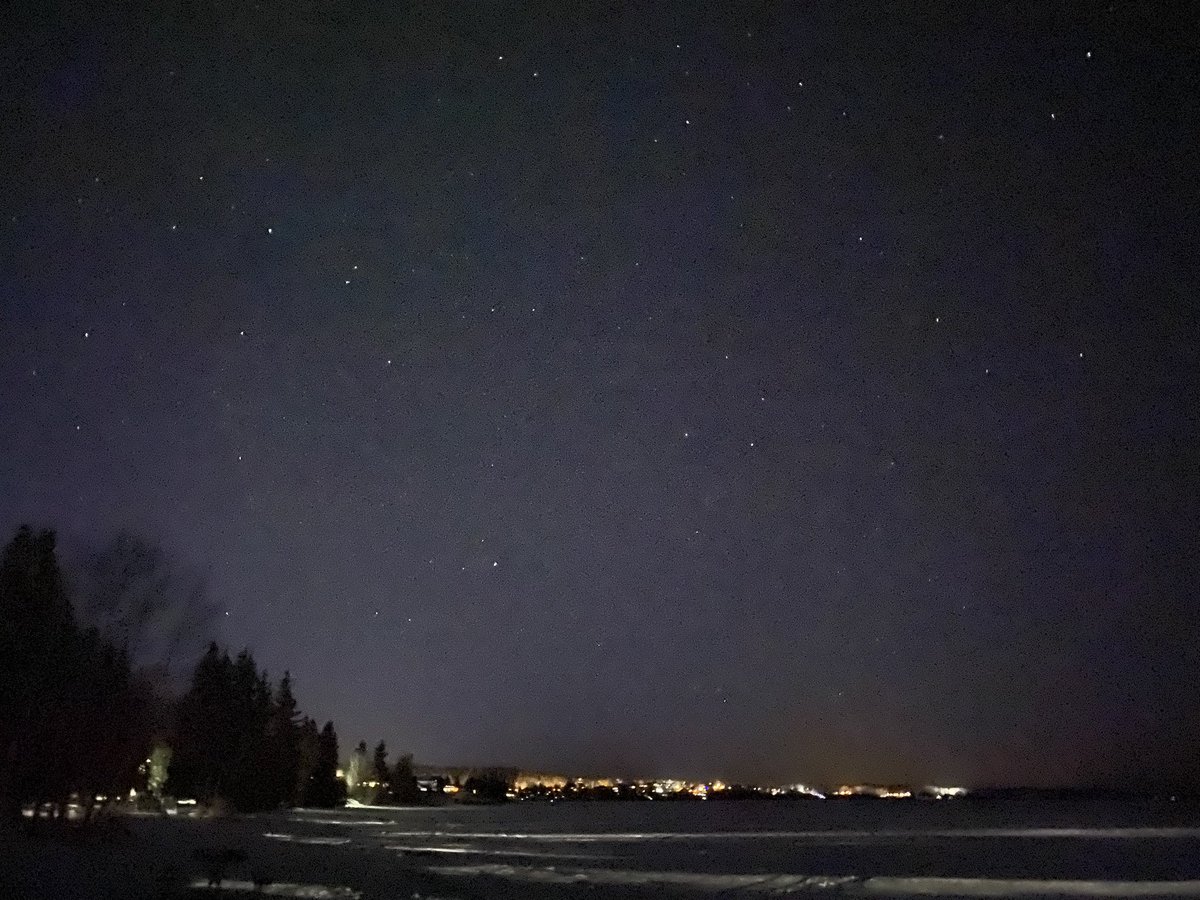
(880, 848)
(636, 851)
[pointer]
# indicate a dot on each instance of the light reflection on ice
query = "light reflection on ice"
(282, 889)
(1026, 887)
(869, 886)
(833, 834)
(329, 842)
(476, 851)
(767, 882)
(357, 822)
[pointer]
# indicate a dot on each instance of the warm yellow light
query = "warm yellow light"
(451, 789)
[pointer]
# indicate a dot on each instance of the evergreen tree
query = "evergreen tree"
(37, 626)
(283, 736)
(249, 782)
(73, 719)
(380, 774)
(240, 740)
(204, 731)
(404, 782)
(325, 788)
(223, 741)
(308, 751)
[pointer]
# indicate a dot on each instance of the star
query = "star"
(567, 413)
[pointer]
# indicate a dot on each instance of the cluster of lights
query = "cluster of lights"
(532, 786)
(892, 792)
(944, 793)
(551, 787)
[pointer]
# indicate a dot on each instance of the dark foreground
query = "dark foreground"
(834, 849)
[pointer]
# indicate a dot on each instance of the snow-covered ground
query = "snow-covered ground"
(627, 850)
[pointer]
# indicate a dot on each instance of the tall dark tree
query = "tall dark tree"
(249, 784)
(240, 740)
(380, 773)
(37, 627)
(76, 718)
(283, 739)
(308, 751)
(325, 788)
(73, 719)
(204, 730)
(404, 781)
(224, 744)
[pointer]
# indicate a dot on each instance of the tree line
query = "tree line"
(369, 778)
(89, 707)
(240, 740)
(74, 718)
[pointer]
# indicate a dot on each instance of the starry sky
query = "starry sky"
(762, 391)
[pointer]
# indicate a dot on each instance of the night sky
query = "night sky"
(775, 391)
